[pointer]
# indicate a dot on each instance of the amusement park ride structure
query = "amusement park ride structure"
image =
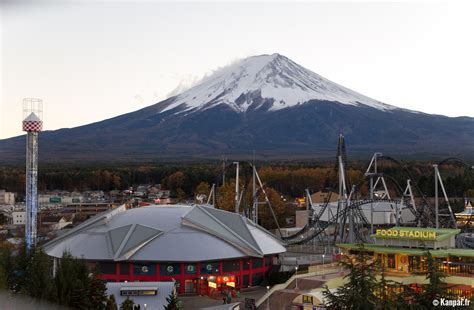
(32, 125)
(354, 219)
(351, 220)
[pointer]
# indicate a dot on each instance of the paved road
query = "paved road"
(197, 302)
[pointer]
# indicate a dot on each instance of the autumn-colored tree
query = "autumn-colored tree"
(226, 197)
(266, 217)
(293, 181)
(203, 188)
(226, 201)
(175, 181)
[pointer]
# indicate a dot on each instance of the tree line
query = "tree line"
(74, 285)
(287, 179)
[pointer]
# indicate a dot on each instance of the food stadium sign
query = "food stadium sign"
(406, 234)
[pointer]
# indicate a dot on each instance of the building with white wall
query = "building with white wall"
(6, 198)
(19, 217)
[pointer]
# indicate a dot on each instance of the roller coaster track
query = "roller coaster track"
(465, 240)
(317, 227)
(314, 219)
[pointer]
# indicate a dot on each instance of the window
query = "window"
(190, 268)
(268, 261)
(170, 269)
(233, 265)
(143, 269)
(246, 264)
(107, 268)
(391, 261)
(209, 267)
(245, 281)
(257, 263)
(124, 268)
(257, 279)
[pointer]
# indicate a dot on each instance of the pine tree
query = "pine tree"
(78, 299)
(38, 275)
(17, 278)
(127, 304)
(172, 300)
(63, 280)
(111, 303)
(436, 288)
(387, 291)
(72, 283)
(359, 291)
(5, 268)
(97, 293)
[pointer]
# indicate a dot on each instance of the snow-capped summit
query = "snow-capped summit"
(271, 79)
(265, 105)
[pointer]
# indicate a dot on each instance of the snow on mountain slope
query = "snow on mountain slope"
(273, 77)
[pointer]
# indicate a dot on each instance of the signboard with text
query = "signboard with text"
(212, 284)
(406, 234)
(307, 299)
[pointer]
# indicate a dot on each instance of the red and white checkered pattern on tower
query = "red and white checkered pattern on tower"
(31, 126)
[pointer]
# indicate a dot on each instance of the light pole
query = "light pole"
(144, 306)
(296, 277)
(268, 298)
(200, 286)
(323, 266)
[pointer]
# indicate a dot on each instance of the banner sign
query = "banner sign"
(212, 284)
(307, 299)
(406, 234)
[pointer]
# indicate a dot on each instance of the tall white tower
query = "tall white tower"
(32, 124)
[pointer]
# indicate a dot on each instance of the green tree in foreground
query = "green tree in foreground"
(362, 290)
(111, 303)
(387, 291)
(97, 293)
(6, 268)
(39, 280)
(436, 288)
(172, 300)
(30, 273)
(76, 287)
(127, 304)
(359, 291)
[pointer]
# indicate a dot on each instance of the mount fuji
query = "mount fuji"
(273, 81)
(267, 105)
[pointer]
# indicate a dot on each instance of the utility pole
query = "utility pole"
(436, 196)
(223, 170)
(254, 195)
(237, 195)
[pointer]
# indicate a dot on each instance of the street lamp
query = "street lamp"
(268, 298)
(323, 266)
(296, 277)
(144, 305)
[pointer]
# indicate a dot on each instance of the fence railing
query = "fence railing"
(328, 269)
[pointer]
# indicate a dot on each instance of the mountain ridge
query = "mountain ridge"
(264, 104)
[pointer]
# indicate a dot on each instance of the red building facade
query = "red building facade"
(203, 278)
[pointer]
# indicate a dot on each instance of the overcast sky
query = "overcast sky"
(92, 60)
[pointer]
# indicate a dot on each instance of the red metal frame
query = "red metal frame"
(131, 277)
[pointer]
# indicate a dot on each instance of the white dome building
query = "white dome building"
(200, 247)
